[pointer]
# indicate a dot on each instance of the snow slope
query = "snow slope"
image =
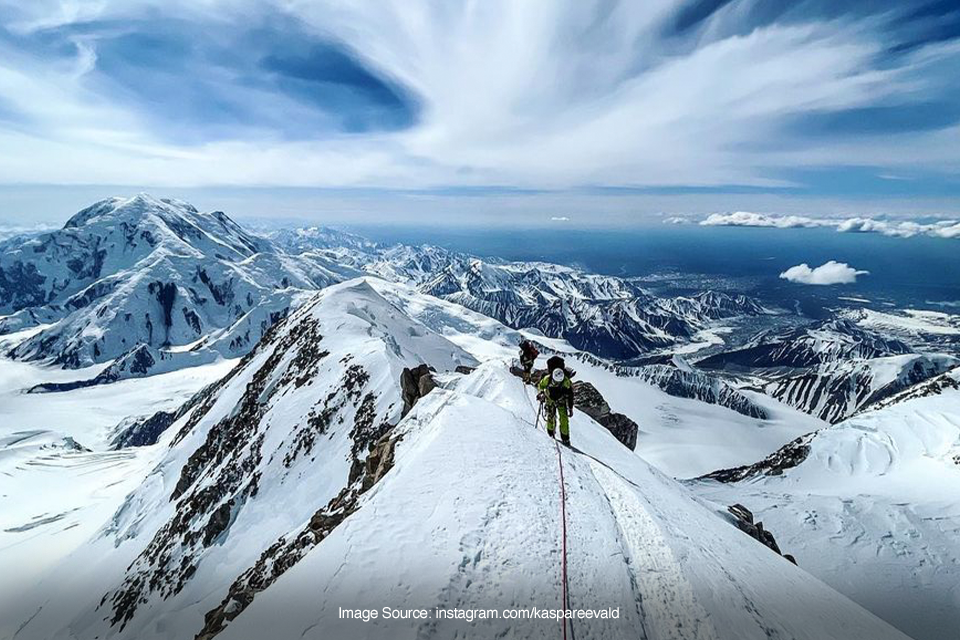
(874, 509)
(466, 531)
(58, 481)
(294, 488)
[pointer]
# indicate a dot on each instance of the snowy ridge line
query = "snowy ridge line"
(661, 574)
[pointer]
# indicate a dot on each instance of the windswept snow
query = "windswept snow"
(466, 515)
(874, 510)
(58, 481)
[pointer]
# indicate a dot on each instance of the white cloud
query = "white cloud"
(895, 228)
(831, 272)
(749, 219)
(559, 219)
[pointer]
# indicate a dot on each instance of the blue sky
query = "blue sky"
(612, 111)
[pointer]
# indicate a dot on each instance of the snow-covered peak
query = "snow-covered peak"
(158, 221)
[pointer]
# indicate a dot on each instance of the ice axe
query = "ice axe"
(539, 411)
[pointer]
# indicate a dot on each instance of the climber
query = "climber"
(556, 396)
(528, 355)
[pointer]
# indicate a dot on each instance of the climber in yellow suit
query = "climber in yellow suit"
(556, 394)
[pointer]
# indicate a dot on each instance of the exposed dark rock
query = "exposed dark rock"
(145, 431)
(465, 370)
(588, 399)
(426, 384)
(233, 447)
(623, 429)
(787, 457)
(743, 518)
(218, 522)
(413, 386)
(287, 552)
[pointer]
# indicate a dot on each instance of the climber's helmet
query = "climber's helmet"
(557, 375)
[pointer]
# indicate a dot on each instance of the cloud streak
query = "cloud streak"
(894, 228)
(829, 273)
(533, 95)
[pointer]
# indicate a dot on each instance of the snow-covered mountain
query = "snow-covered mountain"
(293, 488)
(124, 274)
(924, 329)
(831, 369)
(677, 377)
(872, 505)
(824, 342)
(609, 316)
(142, 271)
(838, 390)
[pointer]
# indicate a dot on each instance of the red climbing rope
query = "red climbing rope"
(563, 529)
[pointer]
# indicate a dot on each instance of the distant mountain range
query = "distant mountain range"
(152, 285)
(124, 273)
(831, 369)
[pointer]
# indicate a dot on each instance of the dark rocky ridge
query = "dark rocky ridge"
(591, 402)
(287, 552)
(787, 457)
(743, 518)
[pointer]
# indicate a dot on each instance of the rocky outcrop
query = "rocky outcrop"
(588, 399)
(234, 447)
(787, 457)
(143, 432)
(287, 552)
(414, 384)
(743, 518)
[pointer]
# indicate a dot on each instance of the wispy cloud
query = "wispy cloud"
(896, 228)
(538, 95)
(829, 273)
